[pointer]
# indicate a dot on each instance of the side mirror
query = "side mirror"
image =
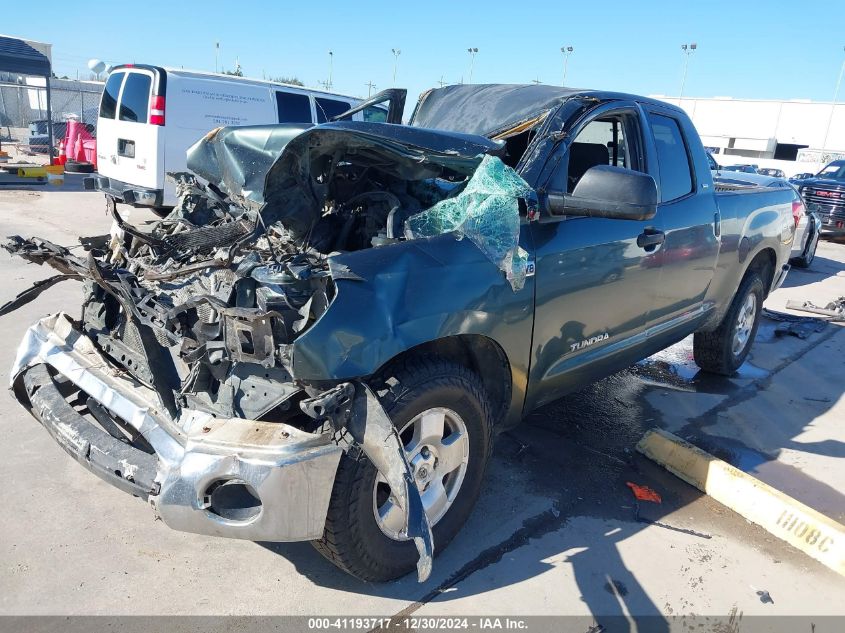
(605, 191)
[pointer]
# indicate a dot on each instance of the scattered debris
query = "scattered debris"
(765, 597)
(793, 325)
(644, 493)
(835, 310)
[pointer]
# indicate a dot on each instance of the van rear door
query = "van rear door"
(131, 147)
(138, 145)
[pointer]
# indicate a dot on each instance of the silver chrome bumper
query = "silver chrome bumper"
(288, 472)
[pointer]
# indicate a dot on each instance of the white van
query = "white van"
(150, 116)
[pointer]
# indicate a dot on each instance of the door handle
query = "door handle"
(650, 238)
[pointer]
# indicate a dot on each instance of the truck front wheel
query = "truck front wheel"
(723, 350)
(443, 418)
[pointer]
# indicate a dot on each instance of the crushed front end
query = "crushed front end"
(176, 382)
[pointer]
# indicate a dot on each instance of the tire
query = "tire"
(716, 351)
(76, 167)
(161, 212)
(806, 259)
(353, 539)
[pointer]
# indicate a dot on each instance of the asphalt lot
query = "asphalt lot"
(556, 531)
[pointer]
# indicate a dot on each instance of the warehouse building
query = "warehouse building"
(797, 135)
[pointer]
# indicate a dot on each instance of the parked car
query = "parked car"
(321, 342)
(824, 194)
(149, 116)
(745, 169)
(802, 176)
(770, 171)
(807, 223)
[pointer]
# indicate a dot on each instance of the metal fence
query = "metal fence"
(23, 109)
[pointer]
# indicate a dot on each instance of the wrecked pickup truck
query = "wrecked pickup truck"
(322, 338)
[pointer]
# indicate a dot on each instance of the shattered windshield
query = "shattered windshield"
(487, 212)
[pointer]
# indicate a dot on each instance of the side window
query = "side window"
(608, 140)
(675, 173)
(136, 98)
(375, 114)
(108, 104)
(328, 108)
(293, 107)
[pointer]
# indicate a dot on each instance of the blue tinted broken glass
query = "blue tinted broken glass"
(487, 212)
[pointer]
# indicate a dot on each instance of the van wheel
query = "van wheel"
(723, 350)
(161, 212)
(443, 418)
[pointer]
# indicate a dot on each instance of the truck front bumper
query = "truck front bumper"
(124, 192)
(235, 478)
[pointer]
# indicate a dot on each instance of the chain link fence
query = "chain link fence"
(23, 110)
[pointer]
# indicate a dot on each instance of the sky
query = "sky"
(762, 50)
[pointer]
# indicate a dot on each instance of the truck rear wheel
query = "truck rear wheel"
(723, 350)
(443, 418)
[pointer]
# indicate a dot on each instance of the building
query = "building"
(796, 135)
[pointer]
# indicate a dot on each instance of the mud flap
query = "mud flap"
(357, 409)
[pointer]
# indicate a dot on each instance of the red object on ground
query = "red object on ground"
(75, 137)
(62, 159)
(644, 493)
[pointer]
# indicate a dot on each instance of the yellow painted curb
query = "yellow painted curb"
(790, 520)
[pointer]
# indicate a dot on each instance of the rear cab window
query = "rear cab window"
(293, 107)
(375, 114)
(672, 157)
(135, 98)
(108, 103)
(328, 108)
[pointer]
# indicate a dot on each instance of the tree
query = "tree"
(237, 72)
(293, 81)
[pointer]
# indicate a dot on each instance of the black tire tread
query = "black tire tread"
(337, 544)
(712, 350)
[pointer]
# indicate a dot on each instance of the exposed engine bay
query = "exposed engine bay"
(203, 306)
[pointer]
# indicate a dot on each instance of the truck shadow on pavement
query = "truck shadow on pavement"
(570, 461)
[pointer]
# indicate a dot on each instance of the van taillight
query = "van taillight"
(797, 211)
(157, 110)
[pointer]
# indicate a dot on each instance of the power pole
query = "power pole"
(567, 51)
(441, 82)
(370, 85)
(472, 53)
(688, 50)
(833, 105)
(396, 53)
(331, 69)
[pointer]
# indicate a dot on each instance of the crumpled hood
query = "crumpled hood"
(236, 159)
(273, 166)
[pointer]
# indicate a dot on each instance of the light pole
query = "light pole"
(396, 53)
(688, 50)
(567, 51)
(441, 82)
(331, 68)
(472, 53)
(216, 56)
(833, 105)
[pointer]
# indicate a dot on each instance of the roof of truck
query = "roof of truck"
(488, 108)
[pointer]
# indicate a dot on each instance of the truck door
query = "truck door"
(593, 291)
(687, 211)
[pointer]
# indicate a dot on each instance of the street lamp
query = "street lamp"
(688, 50)
(331, 68)
(833, 105)
(396, 53)
(567, 51)
(472, 53)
